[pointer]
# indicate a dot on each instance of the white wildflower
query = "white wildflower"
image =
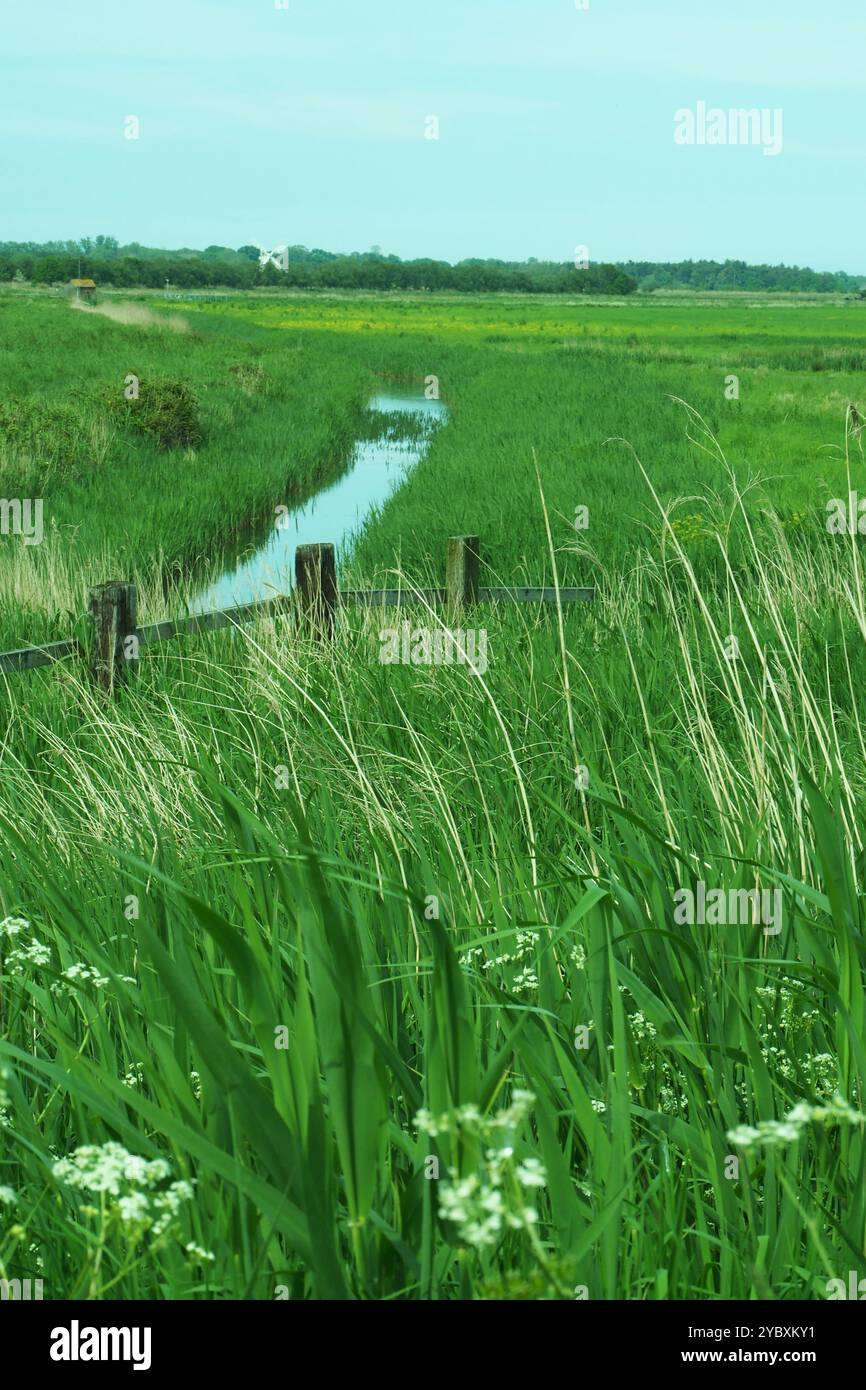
(641, 1027)
(33, 953)
(801, 1114)
(202, 1256)
(486, 1203)
(743, 1136)
(79, 973)
(531, 1173)
(13, 926)
(107, 1167)
(128, 1178)
(481, 1234)
(134, 1209)
(427, 1123)
(524, 982)
(789, 1130)
(493, 1202)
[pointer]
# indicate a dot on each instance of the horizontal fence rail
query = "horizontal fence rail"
(116, 636)
(26, 658)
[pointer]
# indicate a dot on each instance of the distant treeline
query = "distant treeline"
(104, 260)
(737, 275)
(107, 263)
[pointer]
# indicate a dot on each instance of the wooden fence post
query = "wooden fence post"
(462, 563)
(112, 608)
(316, 581)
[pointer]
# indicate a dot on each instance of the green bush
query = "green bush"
(166, 411)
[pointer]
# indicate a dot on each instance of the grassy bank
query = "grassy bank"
(272, 423)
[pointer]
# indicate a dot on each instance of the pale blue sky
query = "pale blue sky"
(306, 125)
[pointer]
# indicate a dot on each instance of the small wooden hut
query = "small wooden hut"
(83, 289)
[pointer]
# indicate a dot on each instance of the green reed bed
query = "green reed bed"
(309, 930)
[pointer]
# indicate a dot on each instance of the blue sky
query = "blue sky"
(307, 125)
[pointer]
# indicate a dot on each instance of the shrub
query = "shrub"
(166, 411)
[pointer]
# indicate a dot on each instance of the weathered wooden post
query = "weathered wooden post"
(112, 608)
(462, 564)
(316, 581)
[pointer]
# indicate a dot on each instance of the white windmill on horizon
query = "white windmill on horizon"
(278, 257)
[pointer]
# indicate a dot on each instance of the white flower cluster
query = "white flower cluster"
(788, 1001)
(480, 1209)
(671, 1097)
(111, 1169)
(197, 1254)
(642, 1029)
(470, 1117)
(34, 953)
(524, 980)
(787, 1131)
(486, 1204)
(671, 1100)
(79, 973)
(31, 953)
(13, 926)
(820, 1067)
(789, 1017)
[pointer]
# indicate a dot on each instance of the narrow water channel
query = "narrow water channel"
(376, 469)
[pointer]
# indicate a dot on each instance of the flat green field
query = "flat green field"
(592, 388)
(388, 967)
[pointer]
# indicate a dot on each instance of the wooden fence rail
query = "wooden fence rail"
(116, 636)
